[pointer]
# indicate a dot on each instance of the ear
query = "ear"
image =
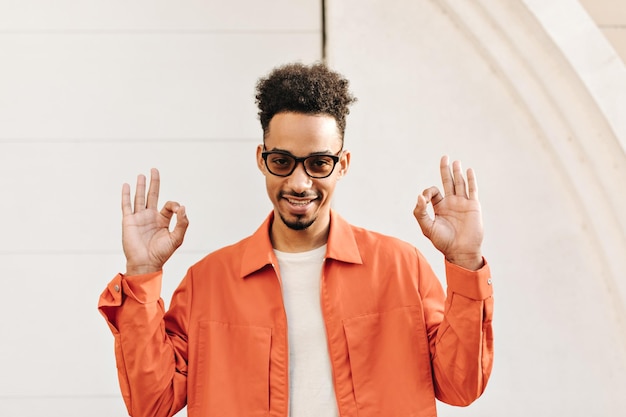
(344, 163)
(259, 159)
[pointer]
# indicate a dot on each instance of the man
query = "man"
(309, 316)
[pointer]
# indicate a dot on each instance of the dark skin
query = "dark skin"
(146, 237)
(455, 230)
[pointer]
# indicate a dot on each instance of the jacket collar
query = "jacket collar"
(259, 253)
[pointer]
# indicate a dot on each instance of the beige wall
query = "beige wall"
(530, 95)
(610, 16)
(526, 92)
(91, 94)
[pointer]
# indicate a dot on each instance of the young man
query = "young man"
(309, 316)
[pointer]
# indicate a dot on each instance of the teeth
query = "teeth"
(298, 202)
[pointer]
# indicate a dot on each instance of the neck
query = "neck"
(286, 239)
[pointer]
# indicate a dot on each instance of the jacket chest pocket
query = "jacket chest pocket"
(390, 364)
(229, 375)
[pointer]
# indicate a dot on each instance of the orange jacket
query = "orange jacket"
(395, 340)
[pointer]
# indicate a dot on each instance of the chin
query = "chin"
(298, 223)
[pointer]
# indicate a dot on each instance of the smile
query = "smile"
(298, 202)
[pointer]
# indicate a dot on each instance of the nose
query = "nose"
(299, 181)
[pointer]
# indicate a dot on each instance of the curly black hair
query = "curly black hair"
(299, 88)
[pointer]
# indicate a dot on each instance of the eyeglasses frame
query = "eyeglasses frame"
(335, 157)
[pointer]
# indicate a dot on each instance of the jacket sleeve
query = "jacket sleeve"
(461, 339)
(150, 349)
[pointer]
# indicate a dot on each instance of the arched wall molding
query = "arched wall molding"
(568, 80)
(599, 67)
(489, 83)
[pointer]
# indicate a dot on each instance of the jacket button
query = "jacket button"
(116, 288)
(489, 281)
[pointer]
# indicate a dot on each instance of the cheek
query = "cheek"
(272, 185)
(328, 187)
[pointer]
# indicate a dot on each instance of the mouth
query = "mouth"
(299, 202)
(299, 205)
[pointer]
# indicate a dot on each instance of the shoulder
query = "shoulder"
(387, 258)
(344, 233)
(370, 241)
(222, 257)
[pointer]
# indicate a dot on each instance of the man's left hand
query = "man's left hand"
(457, 229)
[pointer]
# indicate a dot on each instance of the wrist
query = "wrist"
(140, 269)
(471, 262)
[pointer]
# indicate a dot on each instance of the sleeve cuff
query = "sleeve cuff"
(112, 294)
(476, 285)
(144, 288)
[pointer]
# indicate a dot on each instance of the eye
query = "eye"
(320, 163)
(280, 161)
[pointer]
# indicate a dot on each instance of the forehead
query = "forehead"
(302, 134)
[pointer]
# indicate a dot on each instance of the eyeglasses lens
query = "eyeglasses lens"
(319, 165)
(316, 166)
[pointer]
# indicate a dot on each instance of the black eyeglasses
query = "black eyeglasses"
(282, 164)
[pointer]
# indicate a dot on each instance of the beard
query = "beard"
(299, 224)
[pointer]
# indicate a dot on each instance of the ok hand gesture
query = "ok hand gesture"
(457, 229)
(146, 238)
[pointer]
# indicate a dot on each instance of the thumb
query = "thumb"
(182, 221)
(421, 214)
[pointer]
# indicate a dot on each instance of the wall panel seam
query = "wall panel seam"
(71, 32)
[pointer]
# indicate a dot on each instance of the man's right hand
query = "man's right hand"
(146, 237)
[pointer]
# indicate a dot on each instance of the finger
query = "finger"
(178, 234)
(446, 176)
(140, 193)
(169, 209)
(459, 179)
(472, 184)
(126, 207)
(153, 190)
(420, 212)
(432, 195)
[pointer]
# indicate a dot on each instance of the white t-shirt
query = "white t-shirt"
(310, 376)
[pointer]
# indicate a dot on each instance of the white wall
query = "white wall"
(91, 94)
(526, 92)
(530, 95)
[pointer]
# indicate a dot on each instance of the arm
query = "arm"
(461, 341)
(151, 354)
(459, 332)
